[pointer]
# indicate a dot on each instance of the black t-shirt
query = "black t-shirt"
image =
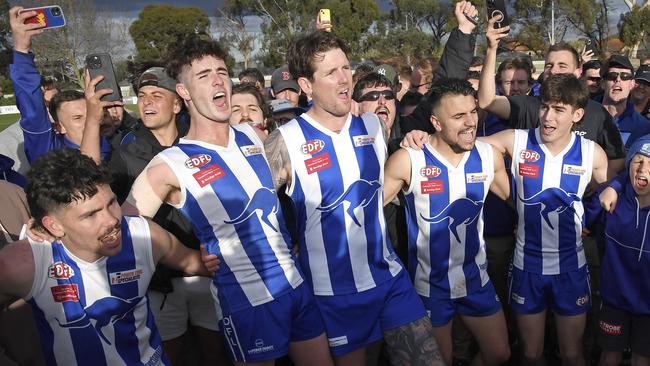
(596, 125)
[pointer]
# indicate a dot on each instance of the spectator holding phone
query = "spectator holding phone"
(68, 108)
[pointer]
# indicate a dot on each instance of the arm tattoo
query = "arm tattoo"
(278, 157)
(413, 344)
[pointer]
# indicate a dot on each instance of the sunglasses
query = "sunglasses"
(595, 79)
(374, 95)
(625, 76)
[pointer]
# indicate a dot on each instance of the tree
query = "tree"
(232, 22)
(634, 28)
(282, 20)
(62, 51)
(160, 26)
(5, 45)
(588, 18)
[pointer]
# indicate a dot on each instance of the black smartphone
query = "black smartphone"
(590, 45)
(101, 64)
(497, 7)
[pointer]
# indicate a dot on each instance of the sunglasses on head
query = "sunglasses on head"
(374, 95)
(625, 76)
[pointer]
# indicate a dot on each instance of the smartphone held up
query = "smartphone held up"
(495, 8)
(48, 16)
(101, 64)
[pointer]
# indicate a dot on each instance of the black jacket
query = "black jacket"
(127, 162)
(454, 63)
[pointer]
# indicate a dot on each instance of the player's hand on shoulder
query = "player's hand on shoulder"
(210, 261)
(415, 139)
(35, 233)
(608, 198)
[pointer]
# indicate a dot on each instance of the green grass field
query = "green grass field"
(7, 119)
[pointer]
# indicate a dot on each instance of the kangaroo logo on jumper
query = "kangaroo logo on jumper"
(552, 200)
(462, 211)
(105, 311)
(265, 200)
(358, 194)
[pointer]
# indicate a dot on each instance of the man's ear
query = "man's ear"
(182, 91)
(178, 105)
(52, 225)
(305, 85)
(435, 122)
(578, 114)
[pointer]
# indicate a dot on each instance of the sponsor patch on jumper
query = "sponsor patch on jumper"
(476, 177)
(432, 186)
(573, 169)
(60, 271)
(338, 341)
(430, 171)
(528, 170)
(125, 276)
(197, 161)
(208, 175)
(312, 147)
(63, 293)
(250, 150)
(318, 163)
(530, 156)
(363, 140)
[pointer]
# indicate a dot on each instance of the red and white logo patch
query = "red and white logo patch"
(529, 170)
(530, 156)
(209, 175)
(312, 147)
(432, 186)
(60, 271)
(197, 161)
(430, 171)
(318, 163)
(62, 293)
(285, 75)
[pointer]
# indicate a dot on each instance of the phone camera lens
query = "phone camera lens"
(94, 62)
(56, 11)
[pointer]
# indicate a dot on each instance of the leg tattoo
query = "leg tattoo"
(413, 344)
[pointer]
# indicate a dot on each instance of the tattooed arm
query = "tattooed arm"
(278, 157)
(413, 344)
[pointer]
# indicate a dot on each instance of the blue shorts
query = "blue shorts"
(566, 294)
(356, 320)
(484, 302)
(263, 332)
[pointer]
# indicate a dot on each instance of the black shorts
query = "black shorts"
(619, 329)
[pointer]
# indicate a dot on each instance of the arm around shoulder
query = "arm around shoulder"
(278, 158)
(501, 184)
(397, 174)
(167, 250)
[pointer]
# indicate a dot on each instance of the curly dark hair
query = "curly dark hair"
(60, 177)
(448, 86)
(304, 50)
(192, 49)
